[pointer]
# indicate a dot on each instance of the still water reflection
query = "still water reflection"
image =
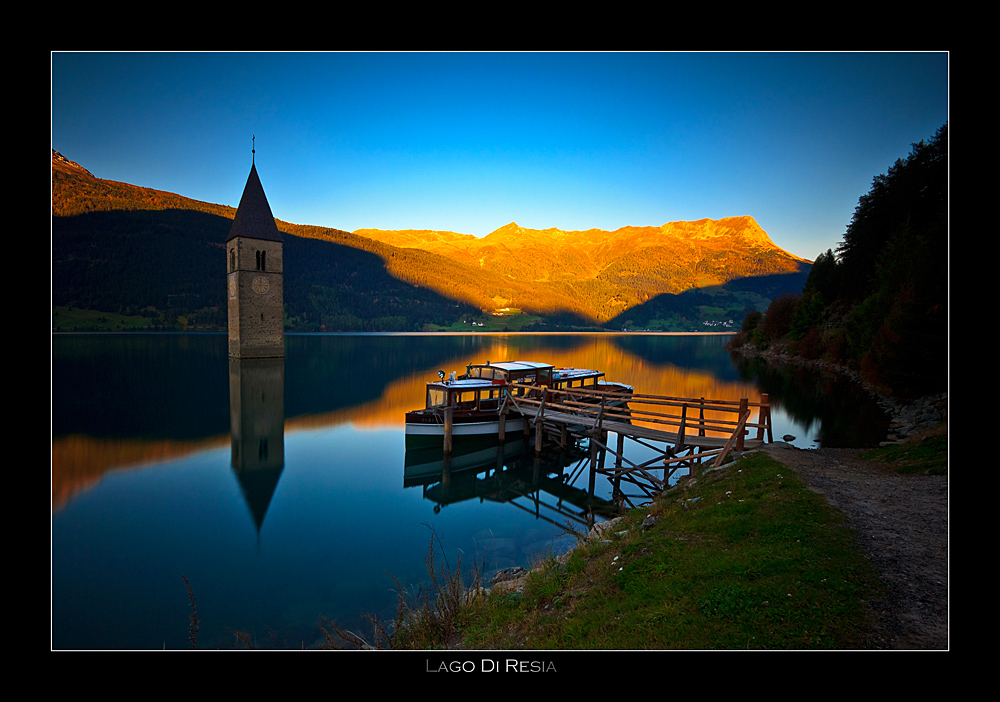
(283, 492)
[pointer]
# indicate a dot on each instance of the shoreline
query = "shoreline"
(907, 418)
(417, 333)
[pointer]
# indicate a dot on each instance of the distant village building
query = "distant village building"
(255, 277)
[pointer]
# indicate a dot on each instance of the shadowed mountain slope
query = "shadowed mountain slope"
(122, 248)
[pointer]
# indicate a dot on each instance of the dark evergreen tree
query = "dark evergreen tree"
(823, 277)
(908, 204)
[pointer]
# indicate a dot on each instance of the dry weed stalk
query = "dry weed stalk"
(194, 625)
(243, 638)
(435, 623)
(383, 637)
(570, 530)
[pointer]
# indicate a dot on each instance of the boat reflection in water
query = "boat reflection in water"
(510, 472)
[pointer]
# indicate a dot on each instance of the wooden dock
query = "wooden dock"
(681, 432)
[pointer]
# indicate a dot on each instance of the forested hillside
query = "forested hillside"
(880, 302)
(150, 258)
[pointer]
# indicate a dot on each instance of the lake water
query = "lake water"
(283, 492)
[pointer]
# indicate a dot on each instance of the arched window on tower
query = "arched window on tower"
(263, 260)
(258, 259)
(232, 260)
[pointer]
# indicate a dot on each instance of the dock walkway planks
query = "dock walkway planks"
(637, 430)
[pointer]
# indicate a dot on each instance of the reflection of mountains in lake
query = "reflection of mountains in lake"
(150, 386)
(174, 387)
(693, 353)
(509, 472)
(132, 399)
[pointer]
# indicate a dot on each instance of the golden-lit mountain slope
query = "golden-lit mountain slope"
(581, 277)
(604, 271)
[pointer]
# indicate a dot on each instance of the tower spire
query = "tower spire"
(253, 150)
(255, 277)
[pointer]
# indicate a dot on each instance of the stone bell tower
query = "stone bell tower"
(255, 277)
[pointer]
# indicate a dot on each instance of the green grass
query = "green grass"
(928, 455)
(745, 557)
(75, 319)
(671, 323)
(518, 321)
(65, 319)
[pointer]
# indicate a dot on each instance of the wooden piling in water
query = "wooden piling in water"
(538, 422)
(740, 430)
(680, 432)
(764, 418)
(449, 413)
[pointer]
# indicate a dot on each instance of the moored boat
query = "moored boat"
(474, 400)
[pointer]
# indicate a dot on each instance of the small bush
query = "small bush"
(751, 321)
(811, 345)
(778, 320)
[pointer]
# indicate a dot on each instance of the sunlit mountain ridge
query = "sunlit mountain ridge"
(555, 254)
(111, 239)
(598, 274)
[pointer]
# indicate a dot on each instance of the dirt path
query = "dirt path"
(902, 525)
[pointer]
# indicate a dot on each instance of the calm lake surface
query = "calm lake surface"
(283, 492)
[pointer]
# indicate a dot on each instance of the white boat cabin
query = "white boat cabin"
(531, 373)
(465, 394)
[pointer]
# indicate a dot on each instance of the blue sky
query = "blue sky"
(468, 142)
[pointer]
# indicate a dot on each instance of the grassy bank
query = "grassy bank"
(927, 455)
(741, 557)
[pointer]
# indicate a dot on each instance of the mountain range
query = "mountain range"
(116, 248)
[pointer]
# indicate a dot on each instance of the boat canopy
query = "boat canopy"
(576, 374)
(518, 365)
(512, 371)
(506, 368)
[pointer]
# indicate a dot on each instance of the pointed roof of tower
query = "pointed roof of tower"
(253, 216)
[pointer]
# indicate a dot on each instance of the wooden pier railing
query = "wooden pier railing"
(698, 427)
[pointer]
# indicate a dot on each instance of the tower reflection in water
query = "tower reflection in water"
(257, 420)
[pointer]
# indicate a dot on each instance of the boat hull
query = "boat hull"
(425, 434)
